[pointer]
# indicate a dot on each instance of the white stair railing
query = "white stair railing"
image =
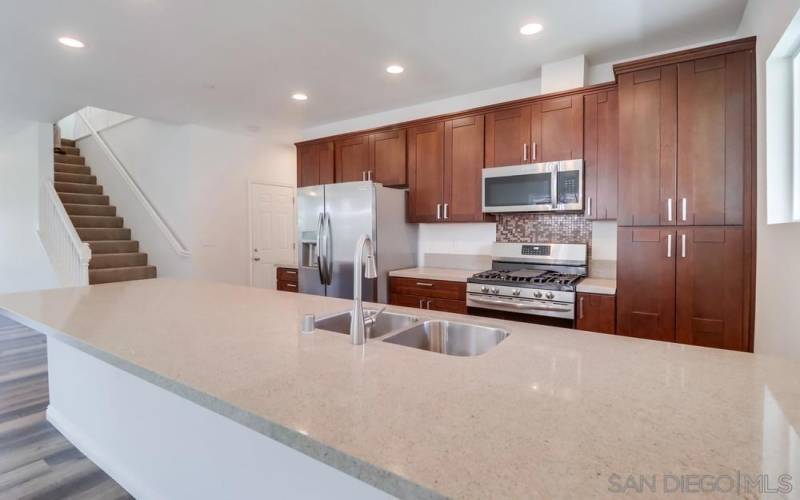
(159, 221)
(69, 255)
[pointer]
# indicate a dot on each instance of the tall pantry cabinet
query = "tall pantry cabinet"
(685, 240)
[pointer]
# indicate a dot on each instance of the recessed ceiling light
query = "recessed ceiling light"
(531, 29)
(299, 97)
(395, 69)
(71, 42)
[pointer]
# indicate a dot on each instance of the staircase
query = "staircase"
(115, 257)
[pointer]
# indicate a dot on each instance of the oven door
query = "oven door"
(568, 185)
(549, 308)
(521, 188)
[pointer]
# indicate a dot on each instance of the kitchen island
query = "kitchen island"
(175, 386)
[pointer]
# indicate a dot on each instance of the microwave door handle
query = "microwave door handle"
(554, 186)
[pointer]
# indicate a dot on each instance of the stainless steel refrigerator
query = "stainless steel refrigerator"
(331, 218)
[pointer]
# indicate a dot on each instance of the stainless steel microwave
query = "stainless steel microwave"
(534, 187)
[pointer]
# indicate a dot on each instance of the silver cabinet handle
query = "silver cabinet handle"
(420, 303)
(445, 211)
(369, 175)
(291, 285)
(669, 209)
(438, 211)
(290, 272)
(429, 304)
(683, 245)
(419, 283)
(589, 207)
(669, 246)
(683, 209)
(525, 152)
(580, 308)
(534, 152)
(363, 175)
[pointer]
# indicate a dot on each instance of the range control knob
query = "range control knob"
(515, 292)
(495, 290)
(537, 294)
(550, 295)
(484, 289)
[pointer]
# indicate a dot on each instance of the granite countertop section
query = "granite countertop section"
(597, 285)
(548, 413)
(436, 273)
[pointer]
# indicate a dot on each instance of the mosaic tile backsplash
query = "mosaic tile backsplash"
(543, 228)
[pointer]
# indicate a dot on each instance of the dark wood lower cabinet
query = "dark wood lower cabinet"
(710, 288)
(286, 279)
(686, 285)
(436, 295)
(646, 283)
(596, 313)
(433, 304)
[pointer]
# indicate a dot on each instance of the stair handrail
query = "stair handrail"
(81, 249)
(162, 225)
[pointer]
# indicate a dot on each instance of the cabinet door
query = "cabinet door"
(508, 137)
(398, 299)
(444, 305)
(557, 129)
(597, 313)
(601, 155)
(315, 164)
(646, 283)
(426, 172)
(387, 152)
(647, 163)
(710, 288)
(712, 139)
(352, 159)
(463, 163)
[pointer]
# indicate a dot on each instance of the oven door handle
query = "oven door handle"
(519, 305)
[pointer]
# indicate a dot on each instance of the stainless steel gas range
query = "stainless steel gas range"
(536, 279)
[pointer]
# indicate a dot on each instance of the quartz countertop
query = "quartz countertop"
(597, 285)
(548, 413)
(436, 273)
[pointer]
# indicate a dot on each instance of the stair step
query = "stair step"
(74, 187)
(114, 274)
(97, 221)
(72, 159)
(103, 233)
(100, 210)
(67, 168)
(108, 260)
(76, 178)
(113, 246)
(67, 142)
(71, 150)
(84, 199)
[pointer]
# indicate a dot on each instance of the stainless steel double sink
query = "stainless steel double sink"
(446, 337)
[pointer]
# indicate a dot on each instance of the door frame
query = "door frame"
(250, 184)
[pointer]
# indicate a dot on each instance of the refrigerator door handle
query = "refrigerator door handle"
(320, 259)
(328, 249)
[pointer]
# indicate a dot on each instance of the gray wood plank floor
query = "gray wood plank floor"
(36, 461)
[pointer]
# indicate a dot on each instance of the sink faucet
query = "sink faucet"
(358, 325)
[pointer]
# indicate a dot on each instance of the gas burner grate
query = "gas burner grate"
(530, 277)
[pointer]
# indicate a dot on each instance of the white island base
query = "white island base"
(158, 445)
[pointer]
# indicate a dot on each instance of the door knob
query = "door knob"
(256, 259)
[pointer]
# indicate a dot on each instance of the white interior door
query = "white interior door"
(271, 231)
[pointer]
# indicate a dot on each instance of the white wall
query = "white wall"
(196, 178)
(72, 127)
(461, 238)
(24, 156)
(778, 273)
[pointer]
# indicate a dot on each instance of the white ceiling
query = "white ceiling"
(235, 63)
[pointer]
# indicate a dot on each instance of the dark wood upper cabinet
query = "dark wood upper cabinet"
(352, 158)
(426, 172)
(463, 163)
(710, 287)
(646, 283)
(712, 139)
(647, 153)
(557, 129)
(387, 154)
(315, 164)
(601, 154)
(508, 136)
